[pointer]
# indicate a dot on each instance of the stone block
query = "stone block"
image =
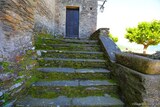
(139, 63)
(6, 77)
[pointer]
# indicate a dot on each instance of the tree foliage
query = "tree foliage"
(114, 38)
(146, 33)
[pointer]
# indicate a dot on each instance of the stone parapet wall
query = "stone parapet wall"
(139, 63)
(137, 89)
(109, 47)
(138, 78)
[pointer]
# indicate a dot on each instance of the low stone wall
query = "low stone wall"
(137, 89)
(139, 63)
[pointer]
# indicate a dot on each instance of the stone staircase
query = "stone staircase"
(72, 73)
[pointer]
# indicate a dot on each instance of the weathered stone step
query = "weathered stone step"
(74, 63)
(71, 54)
(74, 83)
(96, 101)
(59, 76)
(79, 91)
(71, 47)
(76, 41)
(72, 70)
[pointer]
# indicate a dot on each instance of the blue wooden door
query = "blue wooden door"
(72, 23)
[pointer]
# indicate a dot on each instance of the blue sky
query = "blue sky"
(120, 14)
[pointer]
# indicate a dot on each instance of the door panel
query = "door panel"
(72, 23)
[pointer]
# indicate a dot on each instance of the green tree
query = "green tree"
(114, 38)
(146, 33)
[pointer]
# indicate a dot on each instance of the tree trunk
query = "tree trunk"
(145, 49)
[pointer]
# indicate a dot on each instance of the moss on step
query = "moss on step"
(72, 76)
(73, 55)
(50, 39)
(40, 38)
(72, 47)
(53, 92)
(65, 41)
(72, 64)
(19, 74)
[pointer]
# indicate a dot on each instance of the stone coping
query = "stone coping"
(110, 48)
(139, 63)
(99, 32)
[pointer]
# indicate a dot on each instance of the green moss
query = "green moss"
(6, 96)
(72, 76)
(41, 39)
(72, 55)
(114, 95)
(72, 64)
(52, 92)
(72, 47)
(6, 66)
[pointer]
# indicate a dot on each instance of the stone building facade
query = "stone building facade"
(19, 19)
(87, 16)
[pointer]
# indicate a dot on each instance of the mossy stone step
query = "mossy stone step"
(80, 91)
(72, 54)
(96, 101)
(76, 41)
(71, 47)
(74, 83)
(74, 63)
(72, 70)
(49, 74)
(55, 76)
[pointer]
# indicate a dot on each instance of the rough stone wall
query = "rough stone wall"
(16, 24)
(18, 18)
(87, 16)
(44, 16)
